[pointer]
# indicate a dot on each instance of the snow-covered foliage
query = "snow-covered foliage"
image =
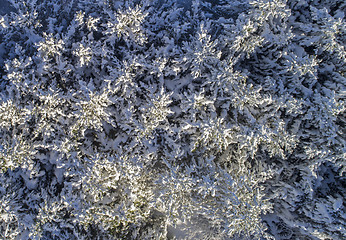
(164, 119)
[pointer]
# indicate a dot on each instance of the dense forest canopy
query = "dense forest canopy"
(159, 119)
